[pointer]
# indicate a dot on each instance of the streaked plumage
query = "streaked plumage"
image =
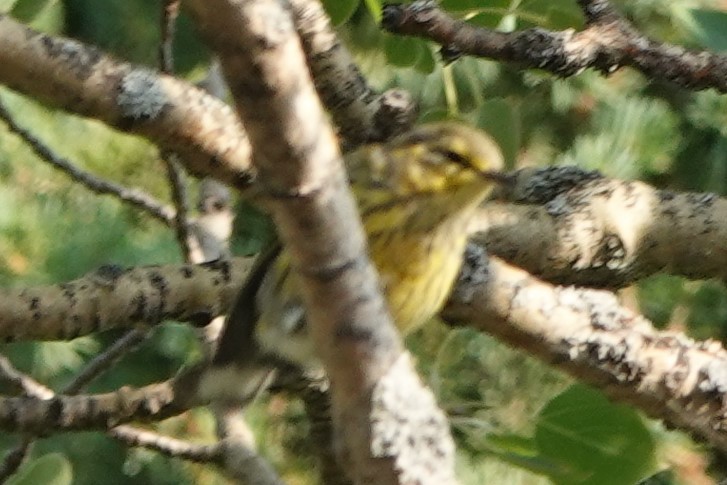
(416, 195)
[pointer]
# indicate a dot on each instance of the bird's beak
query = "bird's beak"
(497, 177)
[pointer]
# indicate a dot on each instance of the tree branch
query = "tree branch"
(585, 332)
(175, 173)
(238, 457)
(313, 389)
(135, 197)
(588, 231)
(182, 226)
(21, 381)
(568, 226)
(243, 465)
(14, 458)
(165, 445)
(607, 43)
(361, 114)
(86, 412)
(588, 334)
(167, 28)
(105, 360)
(112, 297)
(317, 219)
(202, 130)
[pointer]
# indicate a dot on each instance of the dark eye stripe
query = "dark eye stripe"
(454, 157)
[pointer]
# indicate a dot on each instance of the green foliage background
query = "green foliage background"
(515, 420)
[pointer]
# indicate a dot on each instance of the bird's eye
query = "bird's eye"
(455, 157)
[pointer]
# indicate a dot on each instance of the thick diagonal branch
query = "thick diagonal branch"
(266, 70)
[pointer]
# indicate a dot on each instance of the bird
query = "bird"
(416, 195)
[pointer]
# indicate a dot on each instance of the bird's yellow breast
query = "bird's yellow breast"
(417, 271)
(416, 195)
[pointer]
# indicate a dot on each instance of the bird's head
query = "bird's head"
(440, 158)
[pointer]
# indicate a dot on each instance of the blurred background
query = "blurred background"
(515, 420)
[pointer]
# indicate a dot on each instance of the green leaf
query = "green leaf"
(512, 443)
(7, 5)
(710, 28)
(402, 51)
(596, 441)
(708, 305)
(363, 33)
(374, 7)
(659, 295)
(565, 16)
(458, 6)
(502, 121)
(255, 233)
(551, 14)
(521, 452)
(340, 10)
(27, 10)
(50, 469)
(489, 15)
(426, 62)
(434, 115)
(708, 111)
(130, 30)
(486, 19)
(45, 15)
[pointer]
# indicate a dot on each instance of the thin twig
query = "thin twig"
(175, 174)
(28, 385)
(134, 196)
(14, 458)
(105, 360)
(165, 445)
(17, 455)
(170, 12)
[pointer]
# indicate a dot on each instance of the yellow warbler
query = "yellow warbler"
(416, 195)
